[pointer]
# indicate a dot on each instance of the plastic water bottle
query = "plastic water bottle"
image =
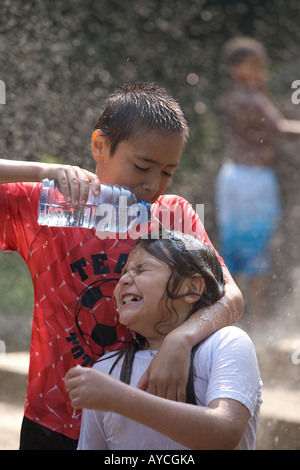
(116, 209)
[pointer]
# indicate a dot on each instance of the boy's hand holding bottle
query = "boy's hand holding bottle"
(74, 182)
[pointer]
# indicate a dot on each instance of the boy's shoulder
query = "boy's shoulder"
(177, 214)
(175, 205)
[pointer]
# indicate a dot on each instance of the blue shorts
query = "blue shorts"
(248, 210)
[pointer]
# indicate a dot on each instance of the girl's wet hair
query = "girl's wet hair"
(138, 107)
(186, 256)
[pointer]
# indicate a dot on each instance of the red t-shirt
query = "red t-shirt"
(74, 274)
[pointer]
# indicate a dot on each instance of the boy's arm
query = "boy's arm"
(167, 374)
(74, 181)
(289, 128)
(220, 425)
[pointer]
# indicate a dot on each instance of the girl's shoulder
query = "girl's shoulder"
(228, 340)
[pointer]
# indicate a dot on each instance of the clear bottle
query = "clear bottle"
(116, 209)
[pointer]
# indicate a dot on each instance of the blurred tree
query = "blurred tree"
(61, 58)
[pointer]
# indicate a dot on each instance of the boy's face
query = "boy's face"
(145, 164)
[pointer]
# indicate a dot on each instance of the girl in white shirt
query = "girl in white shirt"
(224, 386)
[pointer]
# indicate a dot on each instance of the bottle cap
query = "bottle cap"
(145, 212)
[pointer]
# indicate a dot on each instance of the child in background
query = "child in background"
(247, 191)
(137, 142)
(162, 284)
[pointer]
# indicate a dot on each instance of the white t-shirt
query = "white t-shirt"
(225, 367)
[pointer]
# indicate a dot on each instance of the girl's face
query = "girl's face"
(145, 165)
(138, 295)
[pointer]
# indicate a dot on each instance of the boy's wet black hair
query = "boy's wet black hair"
(135, 108)
(186, 256)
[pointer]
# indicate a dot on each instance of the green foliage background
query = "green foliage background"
(61, 58)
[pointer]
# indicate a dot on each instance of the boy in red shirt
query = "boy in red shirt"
(137, 142)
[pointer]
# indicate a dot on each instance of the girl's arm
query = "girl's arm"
(217, 426)
(167, 374)
(74, 181)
